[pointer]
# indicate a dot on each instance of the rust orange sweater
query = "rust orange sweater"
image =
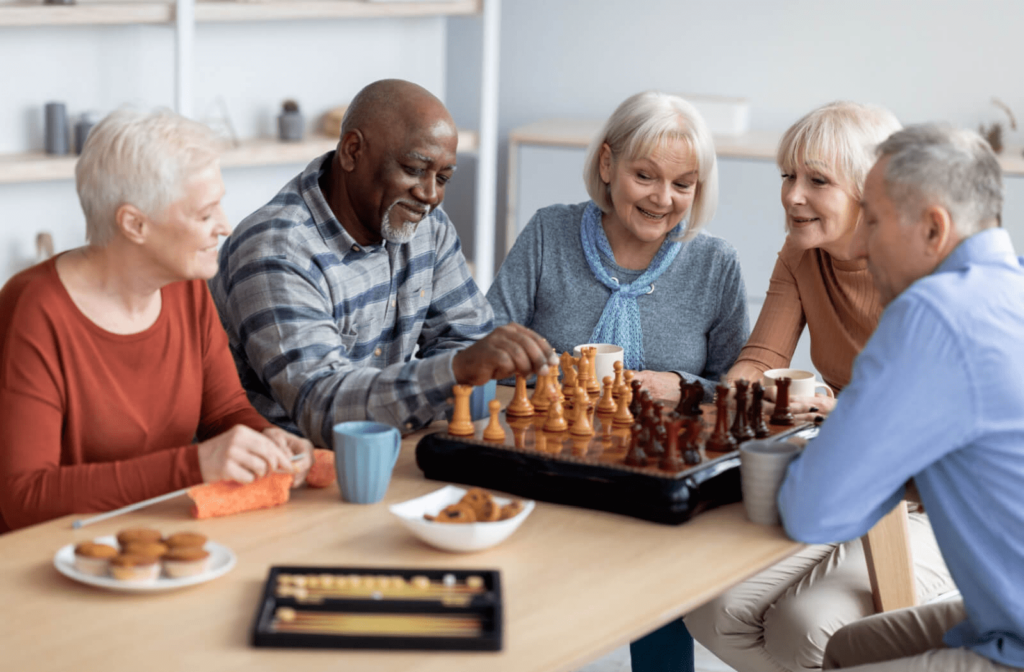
(838, 302)
(91, 420)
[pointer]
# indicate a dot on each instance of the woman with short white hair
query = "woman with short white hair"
(112, 356)
(782, 618)
(632, 266)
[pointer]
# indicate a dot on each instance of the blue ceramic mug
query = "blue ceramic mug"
(364, 456)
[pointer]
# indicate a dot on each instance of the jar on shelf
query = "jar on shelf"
(290, 123)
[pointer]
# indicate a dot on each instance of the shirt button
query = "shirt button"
(423, 293)
(393, 303)
(377, 352)
(408, 425)
(355, 248)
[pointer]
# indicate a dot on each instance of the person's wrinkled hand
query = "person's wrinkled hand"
(241, 454)
(508, 350)
(295, 445)
(663, 385)
(804, 409)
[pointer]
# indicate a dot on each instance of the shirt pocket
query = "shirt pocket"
(413, 304)
(348, 341)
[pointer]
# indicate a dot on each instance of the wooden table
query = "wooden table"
(576, 584)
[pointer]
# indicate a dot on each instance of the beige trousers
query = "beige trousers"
(906, 640)
(782, 618)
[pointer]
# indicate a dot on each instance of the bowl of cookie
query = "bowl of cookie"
(462, 520)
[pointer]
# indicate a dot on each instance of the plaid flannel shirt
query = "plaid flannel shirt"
(325, 330)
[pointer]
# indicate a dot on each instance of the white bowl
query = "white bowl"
(459, 537)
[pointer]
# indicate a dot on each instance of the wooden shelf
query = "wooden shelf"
(109, 13)
(40, 167)
(216, 10)
(752, 145)
(100, 13)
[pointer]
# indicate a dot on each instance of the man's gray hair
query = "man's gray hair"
(939, 164)
(139, 158)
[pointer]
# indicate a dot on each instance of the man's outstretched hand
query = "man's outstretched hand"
(506, 351)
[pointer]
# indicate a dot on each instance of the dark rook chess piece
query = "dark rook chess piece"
(782, 416)
(756, 414)
(721, 441)
(740, 428)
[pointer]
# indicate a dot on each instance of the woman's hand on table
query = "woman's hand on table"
(241, 454)
(295, 445)
(662, 385)
(801, 407)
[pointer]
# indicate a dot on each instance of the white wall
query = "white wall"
(252, 66)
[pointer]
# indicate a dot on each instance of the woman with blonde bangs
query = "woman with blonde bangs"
(632, 266)
(782, 618)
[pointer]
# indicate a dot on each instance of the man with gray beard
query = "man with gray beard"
(347, 296)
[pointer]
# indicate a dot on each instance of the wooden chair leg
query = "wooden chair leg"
(890, 562)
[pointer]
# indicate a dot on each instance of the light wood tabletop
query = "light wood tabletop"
(576, 584)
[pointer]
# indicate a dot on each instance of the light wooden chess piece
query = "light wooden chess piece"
(494, 431)
(607, 403)
(617, 383)
(540, 399)
(569, 379)
(627, 378)
(593, 384)
(462, 421)
(556, 414)
(582, 425)
(520, 405)
(623, 418)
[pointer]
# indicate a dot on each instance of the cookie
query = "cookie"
(489, 512)
(477, 498)
(456, 513)
(510, 510)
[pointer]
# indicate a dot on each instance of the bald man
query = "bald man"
(347, 296)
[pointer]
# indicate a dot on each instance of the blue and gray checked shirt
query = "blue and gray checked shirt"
(325, 330)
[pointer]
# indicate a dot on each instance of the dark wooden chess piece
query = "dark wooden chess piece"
(659, 439)
(636, 404)
(756, 416)
(782, 416)
(741, 430)
(636, 457)
(721, 441)
(690, 397)
(691, 435)
(671, 461)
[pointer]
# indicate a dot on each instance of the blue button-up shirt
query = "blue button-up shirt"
(324, 329)
(938, 395)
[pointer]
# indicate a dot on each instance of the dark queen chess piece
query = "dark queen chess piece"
(741, 430)
(756, 415)
(721, 441)
(782, 416)
(690, 397)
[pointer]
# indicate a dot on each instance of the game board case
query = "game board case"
(482, 606)
(589, 472)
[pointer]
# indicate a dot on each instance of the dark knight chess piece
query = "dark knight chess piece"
(721, 441)
(690, 396)
(756, 415)
(741, 430)
(782, 416)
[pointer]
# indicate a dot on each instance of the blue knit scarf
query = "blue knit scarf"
(620, 321)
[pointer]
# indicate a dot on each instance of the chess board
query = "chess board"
(589, 472)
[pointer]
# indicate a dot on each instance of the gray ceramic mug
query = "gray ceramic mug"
(763, 466)
(364, 456)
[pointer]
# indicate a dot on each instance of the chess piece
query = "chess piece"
(541, 400)
(622, 415)
(721, 441)
(671, 461)
(581, 426)
(627, 378)
(617, 383)
(494, 431)
(556, 413)
(520, 405)
(691, 457)
(637, 405)
(782, 415)
(636, 456)
(461, 423)
(690, 396)
(569, 380)
(607, 403)
(756, 416)
(593, 384)
(741, 430)
(583, 379)
(691, 437)
(659, 440)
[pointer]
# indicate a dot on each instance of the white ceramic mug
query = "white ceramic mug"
(802, 383)
(763, 467)
(604, 362)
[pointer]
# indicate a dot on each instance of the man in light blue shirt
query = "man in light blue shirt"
(937, 395)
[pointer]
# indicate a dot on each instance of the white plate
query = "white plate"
(460, 537)
(222, 559)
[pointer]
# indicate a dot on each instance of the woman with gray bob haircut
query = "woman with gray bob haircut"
(632, 267)
(112, 355)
